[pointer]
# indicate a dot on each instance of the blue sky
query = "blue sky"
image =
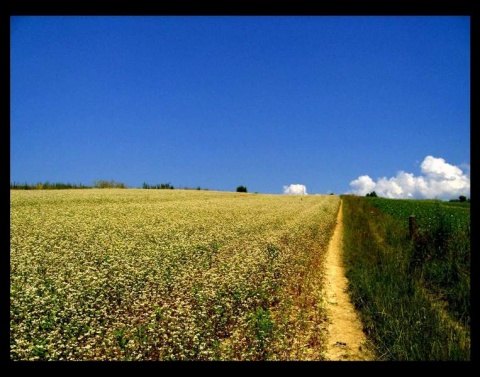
(342, 104)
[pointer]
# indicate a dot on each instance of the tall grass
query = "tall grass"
(401, 313)
(441, 248)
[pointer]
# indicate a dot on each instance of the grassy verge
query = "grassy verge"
(403, 316)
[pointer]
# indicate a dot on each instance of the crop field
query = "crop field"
(132, 274)
(427, 212)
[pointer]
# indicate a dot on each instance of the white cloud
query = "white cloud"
(362, 185)
(439, 180)
(295, 189)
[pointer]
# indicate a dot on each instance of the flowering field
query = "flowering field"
(132, 274)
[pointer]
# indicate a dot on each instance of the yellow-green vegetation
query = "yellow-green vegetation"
(115, 274)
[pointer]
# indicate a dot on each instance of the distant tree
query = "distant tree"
(166, 186)
(160, 186)
(462, 198)
(372, 194)
(108, 184)
(241, 189)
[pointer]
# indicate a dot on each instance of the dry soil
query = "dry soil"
(346, 339)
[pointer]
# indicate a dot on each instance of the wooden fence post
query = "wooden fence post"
(413, 227)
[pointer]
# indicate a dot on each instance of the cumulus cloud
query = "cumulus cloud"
(439, 179)
(295, 189)
(362, 185)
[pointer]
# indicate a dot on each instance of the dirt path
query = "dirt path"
(346, 339)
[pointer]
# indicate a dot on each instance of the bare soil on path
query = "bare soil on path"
(346, 339)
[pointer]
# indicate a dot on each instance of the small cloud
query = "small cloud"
(295, 189)
(439, 180)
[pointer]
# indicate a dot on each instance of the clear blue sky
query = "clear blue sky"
(223, 101)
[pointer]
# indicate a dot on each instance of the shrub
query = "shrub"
(108, 184)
